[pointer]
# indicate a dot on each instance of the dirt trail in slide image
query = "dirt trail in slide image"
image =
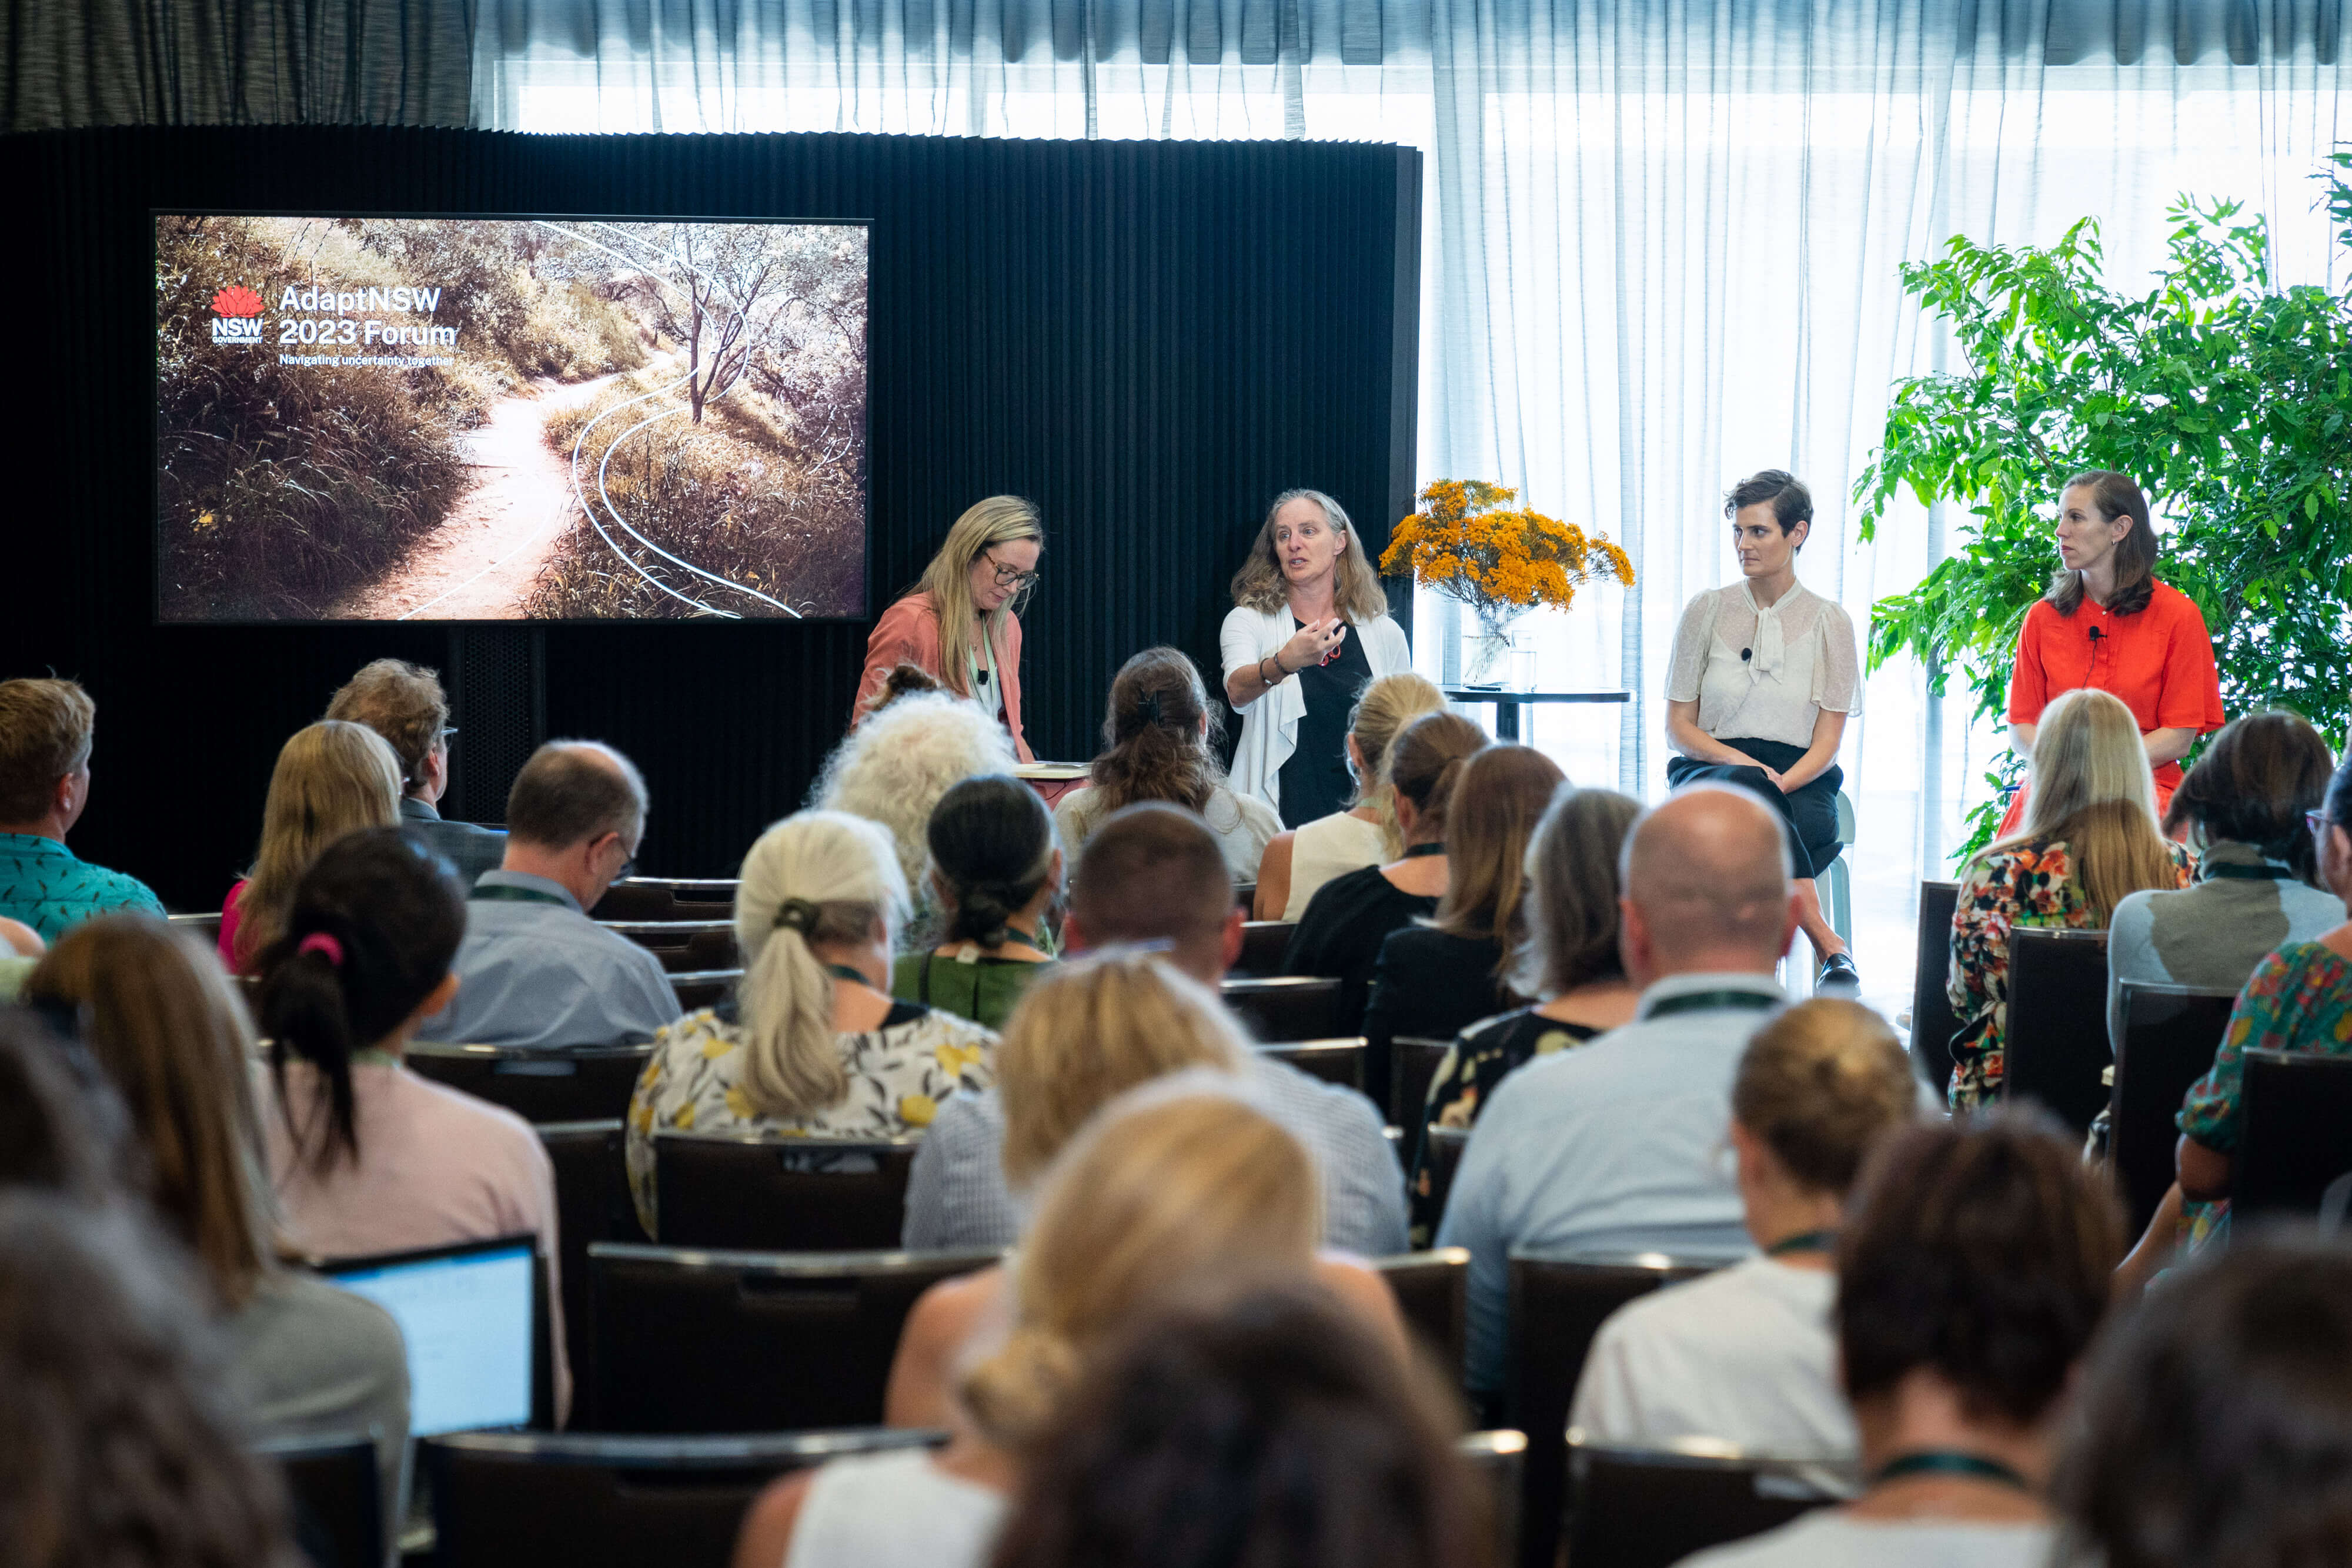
(480, 563)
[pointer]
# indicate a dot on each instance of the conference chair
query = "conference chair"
(539, 1083)
(690, 1340)
(1289, 1007)
(1432, 1293)
(702, 989)
(1636, 1508)
(591, 1204)
(1263, 942)
(780, 1194)
(2295, 1138)
(1498, 1458)
(1839, 905)
(683, 946)
(335, 1490)
(2057, 1049)
(205, 928)
(2170, 1036)
(1559, 1301)
(664, 898)
(1339, 1062)
(1932, 1020)
(1412, 1068)
(1245, 896)
(587, 1501)
(1445, 1157)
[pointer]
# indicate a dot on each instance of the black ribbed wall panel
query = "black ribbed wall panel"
(1148, 339)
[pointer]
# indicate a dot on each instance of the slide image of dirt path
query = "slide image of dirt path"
(480, 563)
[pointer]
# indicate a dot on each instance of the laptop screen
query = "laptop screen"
(467, 1314)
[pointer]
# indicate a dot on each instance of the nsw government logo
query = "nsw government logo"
(236, 315)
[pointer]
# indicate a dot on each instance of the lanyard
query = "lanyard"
(1415, 852)
(1803, 1241)
(1709, 1001)
(499, 892)
(844, 972)
(1949, 1463)
(2249, 874)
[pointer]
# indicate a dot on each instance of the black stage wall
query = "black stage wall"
(1149, 340)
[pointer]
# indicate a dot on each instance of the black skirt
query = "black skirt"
(1810, 811)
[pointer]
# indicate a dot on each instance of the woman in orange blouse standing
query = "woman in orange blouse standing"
(958, 625)
(2107, 623)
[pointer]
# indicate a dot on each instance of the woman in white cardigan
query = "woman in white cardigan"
(1292, 670)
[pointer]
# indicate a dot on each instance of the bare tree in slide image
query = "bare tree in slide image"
(726, 287)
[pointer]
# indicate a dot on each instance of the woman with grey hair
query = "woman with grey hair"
(1292, 670)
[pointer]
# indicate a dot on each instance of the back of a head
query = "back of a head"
(894, 767)
(1708, 871)
(1385, 706)
(1087, 1031)
(2256, 779)
(815, 877)
(1978, 1250)
(1819, 1084)
(45, 733)
(1573, 891)
(1154, 872)
(1184, 1194)
(992, 844)
(1501, 794)
(1423, 762)
(574, 791)
(2091, 787)
(404, 703)
(115, 1446)
(1274, 1429)
(172, 1035)
(903, 681)
(371, 932)
(2216, 1419)
(61, 1130)
(332, 778)
(1154, 746)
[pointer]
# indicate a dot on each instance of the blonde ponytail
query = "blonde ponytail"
(1382, 709)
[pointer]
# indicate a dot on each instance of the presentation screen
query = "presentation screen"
(501, 418)
(465, 1315)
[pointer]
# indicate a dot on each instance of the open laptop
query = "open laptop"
(470, 1314)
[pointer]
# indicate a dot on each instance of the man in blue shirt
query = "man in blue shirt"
(45, 731)
(1619, 1145)
(405, 705)
(534, 969)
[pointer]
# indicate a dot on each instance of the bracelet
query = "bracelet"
(1276, 657)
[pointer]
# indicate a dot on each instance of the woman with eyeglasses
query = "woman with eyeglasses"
(958, 626)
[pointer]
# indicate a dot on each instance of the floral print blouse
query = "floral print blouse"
(898, 1074)
(2028, 884)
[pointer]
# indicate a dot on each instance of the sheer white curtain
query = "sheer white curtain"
(1662, 238)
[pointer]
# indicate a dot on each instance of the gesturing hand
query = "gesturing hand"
(1314, 642)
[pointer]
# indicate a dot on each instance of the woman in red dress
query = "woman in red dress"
(2107, 623)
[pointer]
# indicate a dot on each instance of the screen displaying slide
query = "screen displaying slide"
(495, 419)
(468, 1322)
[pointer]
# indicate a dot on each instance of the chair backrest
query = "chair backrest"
(1338, 1062)
(634, 900)
(1287, 1006)
(338, 1504)
(1559, 1301)
(2294, 1140)
(1633, 1507)
(703, 988)
(1412, 1067)
(2170, 1034)
(1932, 1023)
(591, 1204)
(2057, 1046)
(539, 1083)
(1263, 942)
(691, 1340)
(1498, 1458)
(1246, 895)
(207, 927)
(784, 1194)
(591, 1502)
(1432, 1292)
(683, 946)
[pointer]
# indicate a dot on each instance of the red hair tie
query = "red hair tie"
(319, 942)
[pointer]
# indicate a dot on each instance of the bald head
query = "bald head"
(1707, 887)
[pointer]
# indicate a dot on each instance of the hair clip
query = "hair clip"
(798, 915)
(319, 942)
(1147, 705)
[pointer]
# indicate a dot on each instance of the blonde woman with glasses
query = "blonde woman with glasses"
(958, 625)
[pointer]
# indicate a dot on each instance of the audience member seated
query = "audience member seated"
(814, 1043)
(332, 779)
(1273, 1430)
(404, 703)
(904, 680)
(2215, 1423)
(20, 948)
(1299, 861)
(1747, 1357)
(116, 1444)
(1616, 1145)
(1160, 739)
(1433, 980)
(2258, 886)
(1973, 1271)
(302, 1358)
(2090, 839)
(894, 767)
(995, 871)
(536, 971)
(366, 1156)
(46, 731)
(1341, 934)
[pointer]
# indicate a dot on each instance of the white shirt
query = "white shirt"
(1801, 664)
(1243, 826)
(1329, 847)
(1270, 723)
(1746, 1356)
(894, 1510)
(1827, 1538)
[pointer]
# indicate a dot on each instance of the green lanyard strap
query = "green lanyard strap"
(1949, 1463)
(1803, 1241)
(499, 892)
(1709, 1001)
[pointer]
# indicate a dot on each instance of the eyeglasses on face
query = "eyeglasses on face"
(2318, 822)
(1010, 576)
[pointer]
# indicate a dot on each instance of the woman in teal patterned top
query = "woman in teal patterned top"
(995, 872)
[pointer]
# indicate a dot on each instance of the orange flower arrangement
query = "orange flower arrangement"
(1467, 542)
